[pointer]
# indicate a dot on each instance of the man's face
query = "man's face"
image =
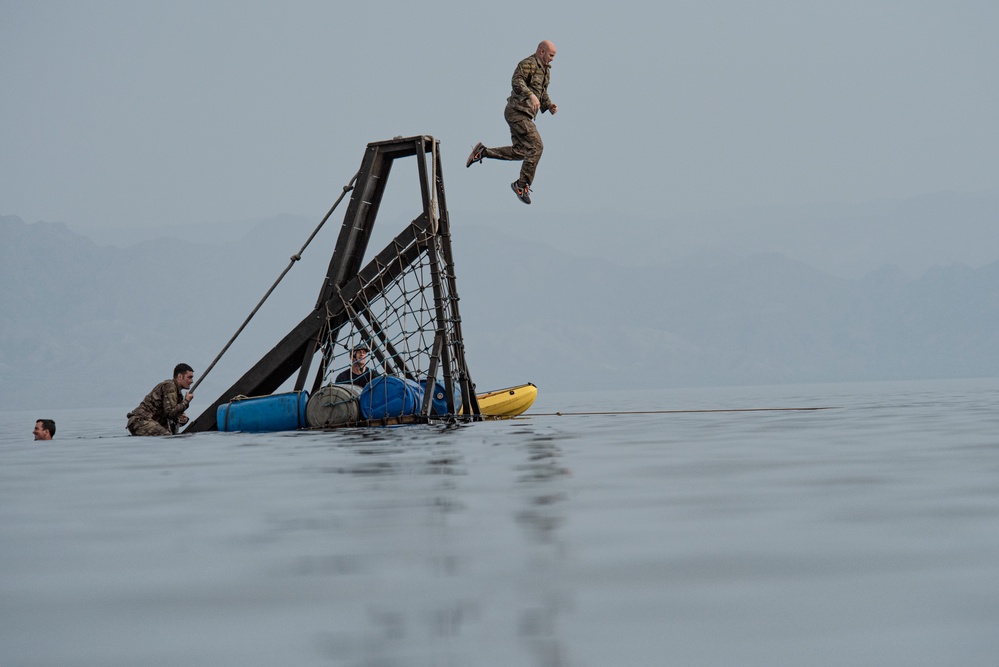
(360, 357)
(546, 54)
(39, 432)
(184, 381)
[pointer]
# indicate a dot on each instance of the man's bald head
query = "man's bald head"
(545, 53)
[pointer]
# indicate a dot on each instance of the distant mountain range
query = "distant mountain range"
(96, 325)
(845, 240)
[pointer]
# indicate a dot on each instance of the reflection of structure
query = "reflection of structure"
(544, 514)
(403, 304)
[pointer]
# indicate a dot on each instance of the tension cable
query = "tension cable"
(294, 258)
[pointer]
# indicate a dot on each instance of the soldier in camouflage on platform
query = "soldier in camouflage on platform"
(529, 96)
(162, 410)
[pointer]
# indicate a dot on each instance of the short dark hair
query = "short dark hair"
(47, 424)
(181, 369)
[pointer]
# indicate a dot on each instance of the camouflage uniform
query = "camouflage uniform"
(159, 411)
(529, 77)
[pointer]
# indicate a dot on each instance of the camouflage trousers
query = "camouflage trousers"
(527, 144)
(140, 426)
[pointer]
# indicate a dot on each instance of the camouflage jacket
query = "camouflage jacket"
(163, 404)
(530, 77)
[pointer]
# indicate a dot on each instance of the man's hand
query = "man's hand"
(535, 104)
(182, 419)
(189, 398)
(553, 108)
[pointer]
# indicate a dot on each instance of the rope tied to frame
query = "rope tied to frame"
(681, 412)
(294, 258)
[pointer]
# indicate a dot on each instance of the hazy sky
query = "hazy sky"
(140, 113)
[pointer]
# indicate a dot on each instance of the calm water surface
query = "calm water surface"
(867, 534)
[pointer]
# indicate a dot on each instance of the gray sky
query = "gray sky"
(136, 113)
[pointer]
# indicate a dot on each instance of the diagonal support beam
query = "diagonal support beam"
(268, 374)
(347, 285)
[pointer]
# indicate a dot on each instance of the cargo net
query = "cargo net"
(391, 349)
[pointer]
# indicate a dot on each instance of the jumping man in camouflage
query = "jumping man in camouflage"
(162, 410)
(529, 96)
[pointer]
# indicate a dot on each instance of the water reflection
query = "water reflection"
(417, 600)
(540, 477)
(541, 480)
(548, 542)
(437, 548)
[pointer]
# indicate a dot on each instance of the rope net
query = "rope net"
(400, 323)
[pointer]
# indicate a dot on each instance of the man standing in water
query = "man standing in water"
(529, 96)
(162, 410)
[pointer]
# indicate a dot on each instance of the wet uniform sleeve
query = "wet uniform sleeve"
(173, 406)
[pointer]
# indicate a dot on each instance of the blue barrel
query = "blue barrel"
(438, 403)
(389, 396)
(264, 414)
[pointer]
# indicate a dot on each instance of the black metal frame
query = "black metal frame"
(346, 280)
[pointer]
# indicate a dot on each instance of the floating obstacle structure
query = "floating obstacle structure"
(402, 307)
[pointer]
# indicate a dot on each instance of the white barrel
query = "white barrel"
(333, 405)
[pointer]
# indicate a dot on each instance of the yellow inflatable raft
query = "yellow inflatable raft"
(508, 402)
